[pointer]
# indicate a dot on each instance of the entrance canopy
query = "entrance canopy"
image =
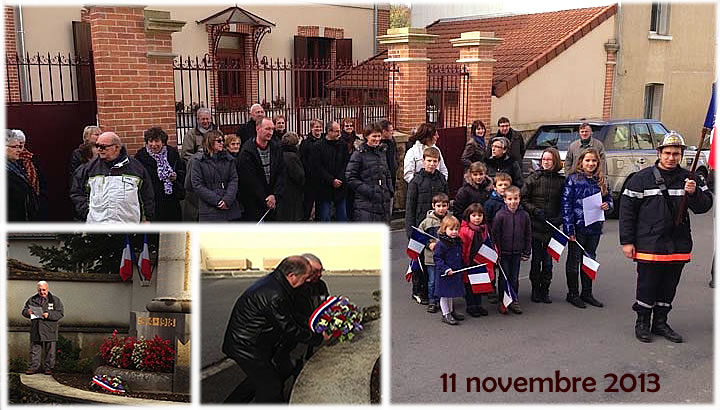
(220, 24)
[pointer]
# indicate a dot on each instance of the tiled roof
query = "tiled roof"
(529, 41)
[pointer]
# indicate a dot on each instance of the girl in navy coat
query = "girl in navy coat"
(587, 180)
(448, 259)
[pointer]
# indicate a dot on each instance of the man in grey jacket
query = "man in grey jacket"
(578, 146)
(44, 311)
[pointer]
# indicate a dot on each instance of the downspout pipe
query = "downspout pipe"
(375, 28)
(20, 39)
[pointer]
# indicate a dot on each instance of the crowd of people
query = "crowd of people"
(516, 220)
(262, 172)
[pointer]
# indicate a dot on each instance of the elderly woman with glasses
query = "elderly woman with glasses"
(167, 173)
(25, 186)
(214, 180)
(501, 161)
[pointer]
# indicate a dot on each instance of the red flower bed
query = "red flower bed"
(156, 355)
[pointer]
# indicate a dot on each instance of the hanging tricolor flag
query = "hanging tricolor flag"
(126, 266)
(590, 266)
(710, 125)
(413, 266)
(557, 244)
(144, 261)
(480, 280)
(487, 255)
(509, 295)
(418, 241)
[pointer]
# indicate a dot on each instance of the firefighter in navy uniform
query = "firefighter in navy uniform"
(648, 234)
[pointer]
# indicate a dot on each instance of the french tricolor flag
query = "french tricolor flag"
(590, 266)
(557, 244)
(480, 280)
(144, 261)
(487, 255)
(509, 294)
(418, 241)
(126, 265)
(413, 266)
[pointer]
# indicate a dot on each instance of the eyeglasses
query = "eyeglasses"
(103, 147)
(220, 140)
(349, 125)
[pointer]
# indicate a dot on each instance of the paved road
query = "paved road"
(219, 295)
(558, 337)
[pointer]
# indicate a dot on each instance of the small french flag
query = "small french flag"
(144, 261)
(590, 267)
(418, 241)
(479, 278)
(557, 245)
(413, 266)
(509, 294)
(487, 255)
(126, 266)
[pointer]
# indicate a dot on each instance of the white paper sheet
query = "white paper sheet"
(591, 209)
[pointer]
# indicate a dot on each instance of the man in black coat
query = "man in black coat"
(262, 317)
(247, 131)
(330, 158)
(261, 167)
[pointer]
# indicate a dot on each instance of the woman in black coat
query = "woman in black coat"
(500, 161)
(369, 177)
(290, 201)
(167, 173)
(540, 196)
(215, 181)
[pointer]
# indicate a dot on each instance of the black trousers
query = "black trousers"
(656, 285)
(263, 382)
(420, 280)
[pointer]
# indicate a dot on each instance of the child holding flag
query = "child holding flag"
(512, 232)
(430, 225)
(448, 259)
(473, 233)
(587, 180)
(540, 196)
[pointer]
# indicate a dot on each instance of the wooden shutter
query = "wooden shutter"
(344, 51)
(83, 50)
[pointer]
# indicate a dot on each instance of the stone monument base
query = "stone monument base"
(137, 381)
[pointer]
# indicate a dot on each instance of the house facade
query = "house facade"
(653, 60)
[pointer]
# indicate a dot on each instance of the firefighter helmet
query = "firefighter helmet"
(672, 139)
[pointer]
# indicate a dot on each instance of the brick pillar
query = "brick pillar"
(12, 82)
(611, 48)
(407, 49)
(132, 54)
(476, 53)
(383, 25)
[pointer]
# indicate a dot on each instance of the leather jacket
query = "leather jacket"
(261, 318)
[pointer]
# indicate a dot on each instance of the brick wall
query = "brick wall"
(383, 24)
(134, 91)
(12, 82)
(410, 86)
(308, 31)
(333, 32)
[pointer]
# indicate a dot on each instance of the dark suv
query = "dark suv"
(630, 145)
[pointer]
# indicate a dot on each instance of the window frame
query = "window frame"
(653, 101)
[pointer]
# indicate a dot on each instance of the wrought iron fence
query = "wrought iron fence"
(299, 91)
(48, 78)
(447, 85)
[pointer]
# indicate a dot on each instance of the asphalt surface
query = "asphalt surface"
(593, 344)
(219, 295)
